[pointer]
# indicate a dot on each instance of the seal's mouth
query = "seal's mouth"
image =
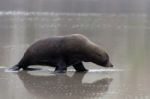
(111, 65)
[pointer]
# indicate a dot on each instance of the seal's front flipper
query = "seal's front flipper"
(80, 67)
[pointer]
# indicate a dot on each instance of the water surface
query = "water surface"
(120, 27)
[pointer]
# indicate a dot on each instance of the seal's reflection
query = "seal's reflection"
(62, 86)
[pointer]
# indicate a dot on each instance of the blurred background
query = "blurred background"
(121, 27)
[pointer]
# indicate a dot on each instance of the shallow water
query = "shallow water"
(120, 27)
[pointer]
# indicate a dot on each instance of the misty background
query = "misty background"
(121, 27)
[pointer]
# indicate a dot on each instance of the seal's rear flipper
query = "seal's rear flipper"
(14, 68)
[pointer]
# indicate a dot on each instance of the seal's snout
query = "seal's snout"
(109, 65)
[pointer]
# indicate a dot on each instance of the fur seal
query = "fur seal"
(63, 51)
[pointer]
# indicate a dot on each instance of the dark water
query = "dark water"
(121, 27)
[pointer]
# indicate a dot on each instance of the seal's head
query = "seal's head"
(106, 62)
